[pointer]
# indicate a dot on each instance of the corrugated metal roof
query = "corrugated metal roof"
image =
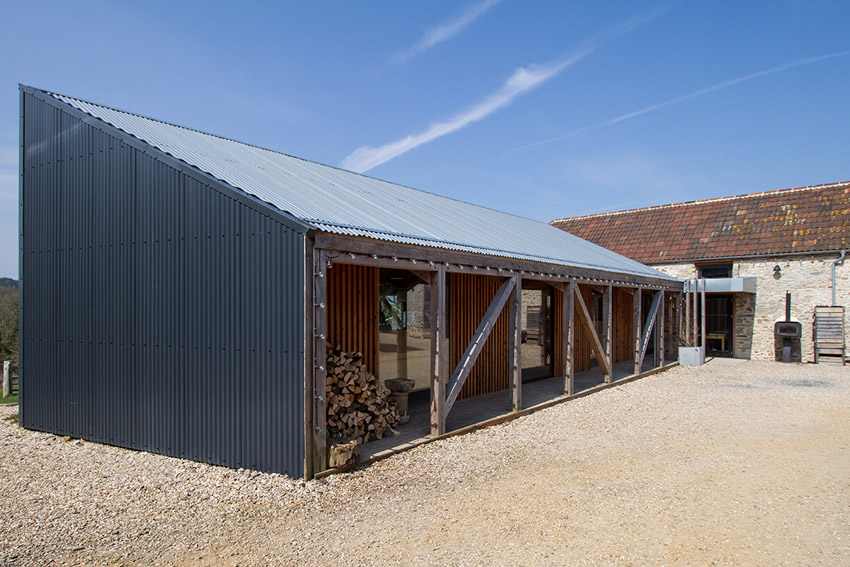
(342, 202)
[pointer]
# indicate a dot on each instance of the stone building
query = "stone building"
(752, 249)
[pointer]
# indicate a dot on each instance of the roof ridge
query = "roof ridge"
(701, 201)
(60, 96)
(137, 115)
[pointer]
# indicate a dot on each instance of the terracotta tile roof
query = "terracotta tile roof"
(802, 219)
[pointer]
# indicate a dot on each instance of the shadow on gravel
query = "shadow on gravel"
(810, 384)
(761, 385)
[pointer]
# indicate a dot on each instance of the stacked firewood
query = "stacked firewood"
(358, 408)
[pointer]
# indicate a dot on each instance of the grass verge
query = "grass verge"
(10, 399)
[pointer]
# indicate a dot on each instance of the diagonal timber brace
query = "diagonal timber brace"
(650, 323)
(601, 356)
(476, 344)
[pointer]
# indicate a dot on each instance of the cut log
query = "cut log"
(343, 453)
(358, 409)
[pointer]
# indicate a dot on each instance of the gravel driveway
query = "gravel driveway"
(719, 465)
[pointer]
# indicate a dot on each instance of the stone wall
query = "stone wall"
(418, 304)
(808, 278)
(744, 318)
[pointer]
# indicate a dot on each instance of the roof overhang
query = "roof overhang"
(726, 285)
(349, 249)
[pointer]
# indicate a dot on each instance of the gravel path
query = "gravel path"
(719, 465)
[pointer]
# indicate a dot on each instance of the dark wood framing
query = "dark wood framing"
(320, 411)
(439, 351)
(621, 321)
(370, 252)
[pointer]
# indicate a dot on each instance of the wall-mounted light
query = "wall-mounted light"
(777, 271)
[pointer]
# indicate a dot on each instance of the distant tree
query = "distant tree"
(8, 283)
(8, 324)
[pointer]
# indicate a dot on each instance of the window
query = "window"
(715, 271)
(404, 328)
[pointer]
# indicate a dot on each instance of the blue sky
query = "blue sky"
(544, 109)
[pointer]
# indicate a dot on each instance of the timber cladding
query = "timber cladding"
(353, 320)
(353, 312)
(623, 316)
(469, 297)
(582, 341)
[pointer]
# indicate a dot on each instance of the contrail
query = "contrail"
(695, 94)
(445, 31)
(523, 80)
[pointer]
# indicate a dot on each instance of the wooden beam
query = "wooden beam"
(308, 361)
(476, 344)
(439, 351)
(662, 314)
(365, 248)
(569, 334)
(608, 325)
(655, 341)
(637, 325)
(650, 323)
(677, 334)
(320, 410)
(341, 257)
(423, 275)
(588, 323)
(515, 344)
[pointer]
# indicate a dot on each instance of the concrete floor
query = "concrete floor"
(471, 411)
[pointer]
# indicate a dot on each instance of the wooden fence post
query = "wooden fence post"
(7, 383)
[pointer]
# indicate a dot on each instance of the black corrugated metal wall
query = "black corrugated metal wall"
(158, 311)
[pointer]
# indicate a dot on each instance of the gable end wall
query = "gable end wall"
(159, 312)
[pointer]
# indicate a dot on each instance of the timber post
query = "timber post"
(7, 383)
(515, 344)
(607, 321)
(638, 327)
(439, 352)
(569, 337)
(661, 327)
(320, 354)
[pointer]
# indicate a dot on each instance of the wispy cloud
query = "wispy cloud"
(660, 105)
(523, 80)
(445, 31)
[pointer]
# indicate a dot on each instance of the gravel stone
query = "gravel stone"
(716, 465)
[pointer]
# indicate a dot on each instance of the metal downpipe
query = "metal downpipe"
(838, 262)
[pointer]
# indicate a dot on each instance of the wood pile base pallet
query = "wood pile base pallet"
(829, 335)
